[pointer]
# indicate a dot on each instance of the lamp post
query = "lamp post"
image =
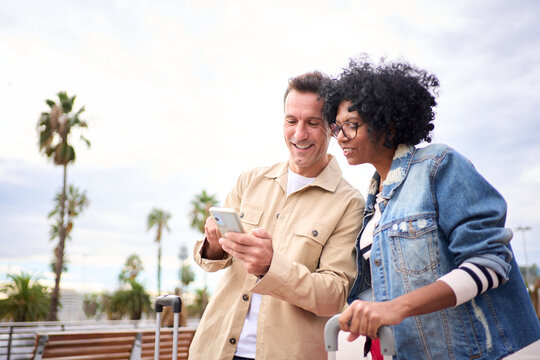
(523, 229)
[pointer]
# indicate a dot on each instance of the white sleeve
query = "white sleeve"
(470, 280)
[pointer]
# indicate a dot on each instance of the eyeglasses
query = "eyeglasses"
(349, 130)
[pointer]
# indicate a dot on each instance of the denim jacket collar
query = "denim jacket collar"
(398, 172)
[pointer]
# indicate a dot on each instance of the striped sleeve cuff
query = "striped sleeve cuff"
(469, 280)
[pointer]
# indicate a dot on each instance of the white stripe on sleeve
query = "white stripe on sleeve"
(469, 280)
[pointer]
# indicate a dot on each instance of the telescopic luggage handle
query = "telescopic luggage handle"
(175, 303)
(332, 328)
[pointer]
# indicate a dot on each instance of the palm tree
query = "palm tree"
(54, 130)
(110, 306)
(132, 267)
(74, 204)
(26, 299)
(158, 218)
(132, 302)
(200, 212)
(186, 275)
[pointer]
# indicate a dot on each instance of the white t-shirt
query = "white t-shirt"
(247, 342)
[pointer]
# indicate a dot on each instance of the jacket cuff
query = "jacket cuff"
(209, 264)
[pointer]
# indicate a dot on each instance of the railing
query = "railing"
(17, 339)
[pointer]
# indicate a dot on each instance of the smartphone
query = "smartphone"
(227, 220)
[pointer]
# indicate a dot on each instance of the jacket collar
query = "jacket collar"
(399, 169)
(328, 179)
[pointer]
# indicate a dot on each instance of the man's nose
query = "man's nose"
(301, 132)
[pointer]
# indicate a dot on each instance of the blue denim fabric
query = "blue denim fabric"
(437, 213)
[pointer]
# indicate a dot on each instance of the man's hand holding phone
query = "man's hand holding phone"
(224, 233)
(212, 249)
(255, 250)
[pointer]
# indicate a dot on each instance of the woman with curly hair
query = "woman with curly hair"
(434, 259)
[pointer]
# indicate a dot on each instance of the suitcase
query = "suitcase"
(175, 302)
(331, 331)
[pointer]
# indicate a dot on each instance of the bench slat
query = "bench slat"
(124, 356)
(114, 345)
(91, 342)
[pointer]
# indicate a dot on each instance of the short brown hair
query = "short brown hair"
(312, 82)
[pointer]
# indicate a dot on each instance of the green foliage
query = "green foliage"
(186, 275)
(54, 128)
(199, 213)
(127, 302)
(110, 307)
(132, 267)
(26, 300)
(158, 218)
(91, 305)
(65, 261)
(74, 204)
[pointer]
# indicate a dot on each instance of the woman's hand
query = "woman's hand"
(365, 318)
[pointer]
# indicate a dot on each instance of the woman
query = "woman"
(434, 250)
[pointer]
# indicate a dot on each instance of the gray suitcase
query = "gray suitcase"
(175, 302)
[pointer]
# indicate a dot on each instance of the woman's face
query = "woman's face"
(359, 149)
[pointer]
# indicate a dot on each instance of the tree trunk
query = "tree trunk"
(159, 269)
(59, 255)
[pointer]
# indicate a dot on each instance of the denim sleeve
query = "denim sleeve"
(472, 215)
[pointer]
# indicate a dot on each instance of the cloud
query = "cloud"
(184, 96)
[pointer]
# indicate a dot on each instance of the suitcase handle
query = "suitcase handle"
(175, 302)
(332, 328)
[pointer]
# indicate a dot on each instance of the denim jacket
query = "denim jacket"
(438, 212)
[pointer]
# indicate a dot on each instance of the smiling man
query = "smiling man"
(293, 266)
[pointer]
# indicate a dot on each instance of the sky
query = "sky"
(182, 96)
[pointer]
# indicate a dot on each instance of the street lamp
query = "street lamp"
(523, 229)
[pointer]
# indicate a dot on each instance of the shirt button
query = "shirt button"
(315, 233)
(277, 216)
(241, 215)
(232, 341)
(377, 262)
(245, 297)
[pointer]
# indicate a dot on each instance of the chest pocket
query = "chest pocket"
(414, 245)
(306, 244)
(250, 217)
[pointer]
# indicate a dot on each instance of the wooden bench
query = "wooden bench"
(185, 336)
(111, 344)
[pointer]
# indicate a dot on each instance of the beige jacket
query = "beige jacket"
(313, 234)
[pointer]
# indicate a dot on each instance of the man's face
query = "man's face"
(306, 133)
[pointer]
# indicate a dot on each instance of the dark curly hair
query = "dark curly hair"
(395, 99)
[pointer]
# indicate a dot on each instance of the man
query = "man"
(293, 267)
